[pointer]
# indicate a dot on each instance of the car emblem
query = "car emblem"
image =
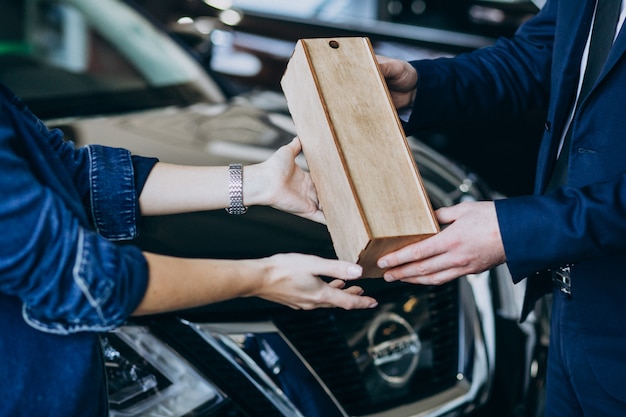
(394, 347)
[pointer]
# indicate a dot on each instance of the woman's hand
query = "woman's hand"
(294, 280)
(278, 182)
(290, 279)
(282, 184)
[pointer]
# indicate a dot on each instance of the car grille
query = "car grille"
(369, 361)
(337, 345)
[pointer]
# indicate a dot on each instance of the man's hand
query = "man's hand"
(470, 244)
(401, 80)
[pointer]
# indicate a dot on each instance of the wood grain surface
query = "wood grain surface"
(369, 186)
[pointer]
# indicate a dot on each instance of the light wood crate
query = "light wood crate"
(368, 184)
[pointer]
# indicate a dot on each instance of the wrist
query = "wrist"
(413, 82)
(255, 185)
(261, 271)
(412, 97)
(235, 190)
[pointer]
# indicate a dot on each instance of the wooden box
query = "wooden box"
(368, 184)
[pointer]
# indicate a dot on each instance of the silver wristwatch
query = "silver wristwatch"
(235, 189)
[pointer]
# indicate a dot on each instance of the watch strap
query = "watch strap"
(235, 189)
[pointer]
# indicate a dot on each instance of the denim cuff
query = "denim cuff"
(115, 192)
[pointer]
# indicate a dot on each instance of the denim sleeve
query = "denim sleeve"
(68, 277)
(109, 181)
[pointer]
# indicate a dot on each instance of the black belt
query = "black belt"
(561, 279)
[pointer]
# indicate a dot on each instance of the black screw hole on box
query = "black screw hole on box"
(334, 44)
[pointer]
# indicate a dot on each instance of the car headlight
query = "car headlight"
(230, 344)
(146, 377)
(152, 372)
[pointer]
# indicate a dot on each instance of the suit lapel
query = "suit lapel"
(573, 26)
(567, 58)
(573, 56)
(570, 56)
(617, 51)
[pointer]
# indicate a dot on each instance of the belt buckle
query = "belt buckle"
(561, 277)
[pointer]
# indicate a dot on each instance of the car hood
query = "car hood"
(208, 134)
(201, 134)
(238, 131)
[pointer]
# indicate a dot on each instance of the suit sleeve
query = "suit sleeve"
(590, 224)
(508, 78)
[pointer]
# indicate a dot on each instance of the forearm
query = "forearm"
(278, 182)
(509, 78)
(289, 279)
(470, 88)
(178, 189)
(179, 283)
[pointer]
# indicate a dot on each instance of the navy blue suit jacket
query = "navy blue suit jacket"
(582, 223)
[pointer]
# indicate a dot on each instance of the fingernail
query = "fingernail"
(373, 305)
(355, 271)
(382, 263)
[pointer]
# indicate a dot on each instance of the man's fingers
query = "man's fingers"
(414, 252)
(435, 278)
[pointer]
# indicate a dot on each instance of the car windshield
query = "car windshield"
(77, 57)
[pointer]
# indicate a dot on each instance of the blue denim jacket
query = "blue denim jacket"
(62, 277)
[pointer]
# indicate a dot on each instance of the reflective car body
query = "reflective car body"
(105, 74)
(253, 41)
